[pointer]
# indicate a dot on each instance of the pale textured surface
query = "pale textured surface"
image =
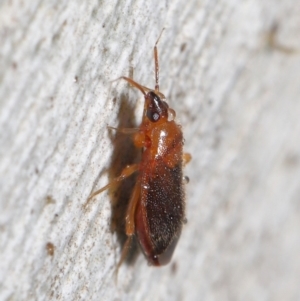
(237, 98)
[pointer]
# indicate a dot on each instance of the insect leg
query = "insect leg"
(125, 130)
(186, 158)
(139, 138)
(130, 225)
(126, 172)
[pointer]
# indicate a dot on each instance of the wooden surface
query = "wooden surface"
(233, 79)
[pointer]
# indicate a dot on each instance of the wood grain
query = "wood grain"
(230, 70)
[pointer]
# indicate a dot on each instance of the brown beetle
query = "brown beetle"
(156, 210)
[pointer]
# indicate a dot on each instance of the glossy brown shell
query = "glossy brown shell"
(161, 210)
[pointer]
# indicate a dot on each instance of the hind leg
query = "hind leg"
(130, 224)
(126, 172)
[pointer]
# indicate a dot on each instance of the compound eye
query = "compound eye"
(156, 107)
(153, 115)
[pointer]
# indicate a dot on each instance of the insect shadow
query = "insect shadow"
(124, 153)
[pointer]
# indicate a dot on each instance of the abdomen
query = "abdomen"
(161, 210)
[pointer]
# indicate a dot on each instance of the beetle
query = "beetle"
(156, 209)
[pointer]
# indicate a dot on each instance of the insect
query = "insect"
(156, 209)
